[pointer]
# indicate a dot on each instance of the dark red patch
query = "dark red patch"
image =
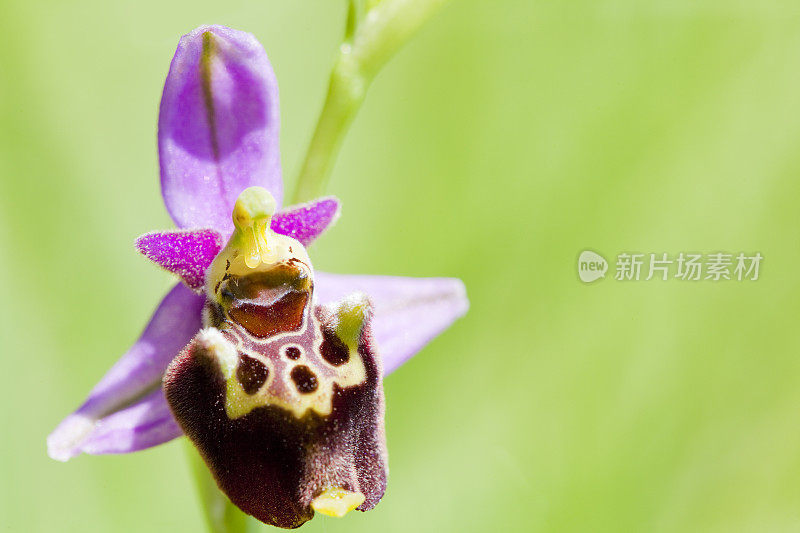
(333, 349)
(251, 373)
(265, 321)
(304, 379)
(292, 352)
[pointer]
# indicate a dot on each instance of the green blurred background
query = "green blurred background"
(502, 141)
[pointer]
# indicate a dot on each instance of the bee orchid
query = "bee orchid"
(273, 370)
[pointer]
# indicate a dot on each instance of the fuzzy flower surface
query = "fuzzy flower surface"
(272, 369)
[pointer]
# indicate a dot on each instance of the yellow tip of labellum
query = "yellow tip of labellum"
(337, 502)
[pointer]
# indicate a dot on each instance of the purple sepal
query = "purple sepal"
(145, 424)
(305, 222)
(185, 253)
(409, 312)
(218, 127)
(119, 394)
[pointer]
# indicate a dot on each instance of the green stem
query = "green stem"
(371, 41)
(351, 23)
(221, 515)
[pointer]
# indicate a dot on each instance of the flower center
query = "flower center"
(255, 256)
(252, 214)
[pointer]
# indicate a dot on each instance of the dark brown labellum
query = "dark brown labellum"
(281, 404)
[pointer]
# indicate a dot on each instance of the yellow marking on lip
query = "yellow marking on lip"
(337, 502)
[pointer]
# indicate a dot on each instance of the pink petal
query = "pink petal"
(218, 127)
(305, 222)
(186, 254)
(409, 312)
(137, 373)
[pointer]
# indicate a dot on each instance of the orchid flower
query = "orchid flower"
(273, 371)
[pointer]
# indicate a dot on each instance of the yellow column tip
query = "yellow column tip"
(337, 502)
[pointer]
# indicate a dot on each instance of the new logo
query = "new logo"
(591, 266)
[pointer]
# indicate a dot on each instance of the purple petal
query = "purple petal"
(217, 127)
(138, 373)
(147, 423)
(305, 222)
(185, 253)
(409, 312)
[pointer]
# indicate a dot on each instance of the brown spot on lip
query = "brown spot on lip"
(292, 352)
(251, 373)
(333, 349)
(304, 379)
